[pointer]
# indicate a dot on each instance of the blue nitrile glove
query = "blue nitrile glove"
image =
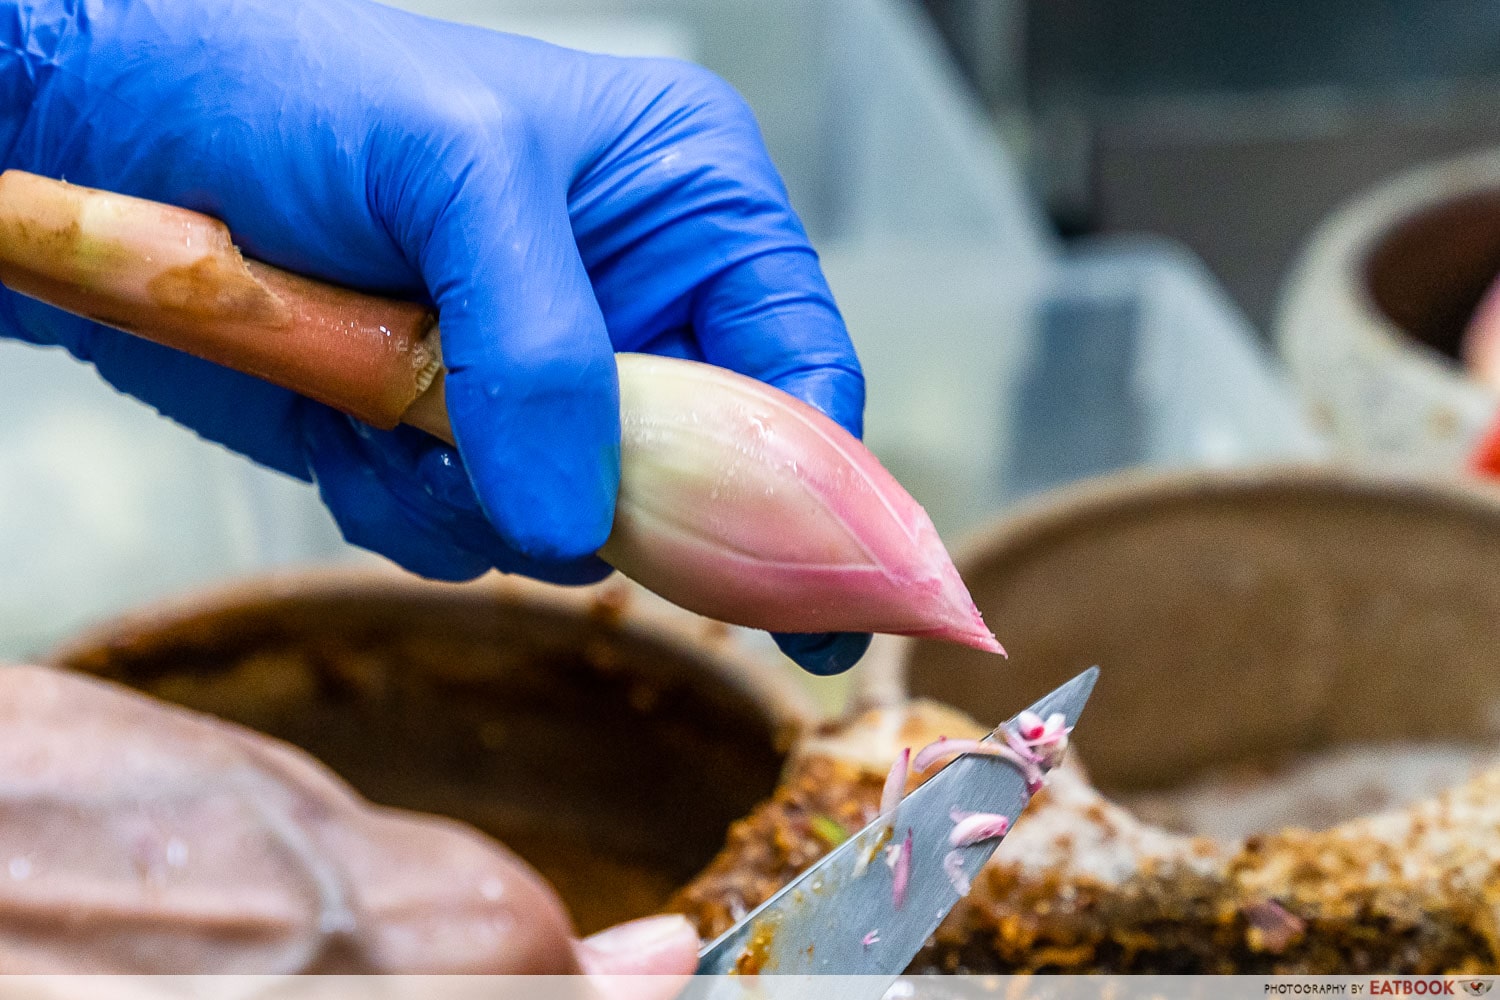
(553, 205)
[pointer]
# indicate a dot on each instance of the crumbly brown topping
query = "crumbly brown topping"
(1083, 886)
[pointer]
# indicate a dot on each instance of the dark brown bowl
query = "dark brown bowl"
(607, 743)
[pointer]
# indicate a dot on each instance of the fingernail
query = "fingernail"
(651, 959)
(640, 937)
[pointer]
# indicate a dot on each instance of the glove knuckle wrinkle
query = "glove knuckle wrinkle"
(711, 91)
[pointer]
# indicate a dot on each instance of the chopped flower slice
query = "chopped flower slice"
(1034, 730)
(903, 873)
(872, 938)
(1055, 730)
(1030, 725)
(1019, 745)
(1274, 925)
(938, 748)
(974, 828)
(1045, 741)
(929, 754)
(895, 783)
(953, 866)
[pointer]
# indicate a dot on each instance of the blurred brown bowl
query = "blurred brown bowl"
(606, 742)
(1236, 615)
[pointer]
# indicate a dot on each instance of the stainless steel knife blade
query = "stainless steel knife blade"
(823, 922)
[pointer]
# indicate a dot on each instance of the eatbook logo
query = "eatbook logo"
(1477, 987)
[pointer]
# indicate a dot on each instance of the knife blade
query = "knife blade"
(820, 922)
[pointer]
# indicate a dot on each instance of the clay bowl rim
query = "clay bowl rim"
(1136, 492)
(1342, 248)
(789, 708)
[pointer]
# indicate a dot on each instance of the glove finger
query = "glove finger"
(409, 497)
(532, 390)
(824, 653)
(773, 317)
(448, 495)
(369, 514)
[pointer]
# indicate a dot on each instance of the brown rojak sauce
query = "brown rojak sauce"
(757, 954)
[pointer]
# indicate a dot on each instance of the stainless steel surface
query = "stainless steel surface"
(818, 923)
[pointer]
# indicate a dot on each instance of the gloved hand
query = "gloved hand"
(553, 205)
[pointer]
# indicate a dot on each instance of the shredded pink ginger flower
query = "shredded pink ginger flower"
(1046, 739)
(1278, 926)
(1032, 734)
(1034, 744)
(872, 938)
(953, 867)
(971, 828)
(902, 868)
(1028, 765)
(895, 783)
(1035, 731)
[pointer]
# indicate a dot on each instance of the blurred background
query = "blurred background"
(1231, 127)
(1172, 317)
(1071, 237)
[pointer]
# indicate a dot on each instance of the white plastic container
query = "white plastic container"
(993, 380)
(1141, 360)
